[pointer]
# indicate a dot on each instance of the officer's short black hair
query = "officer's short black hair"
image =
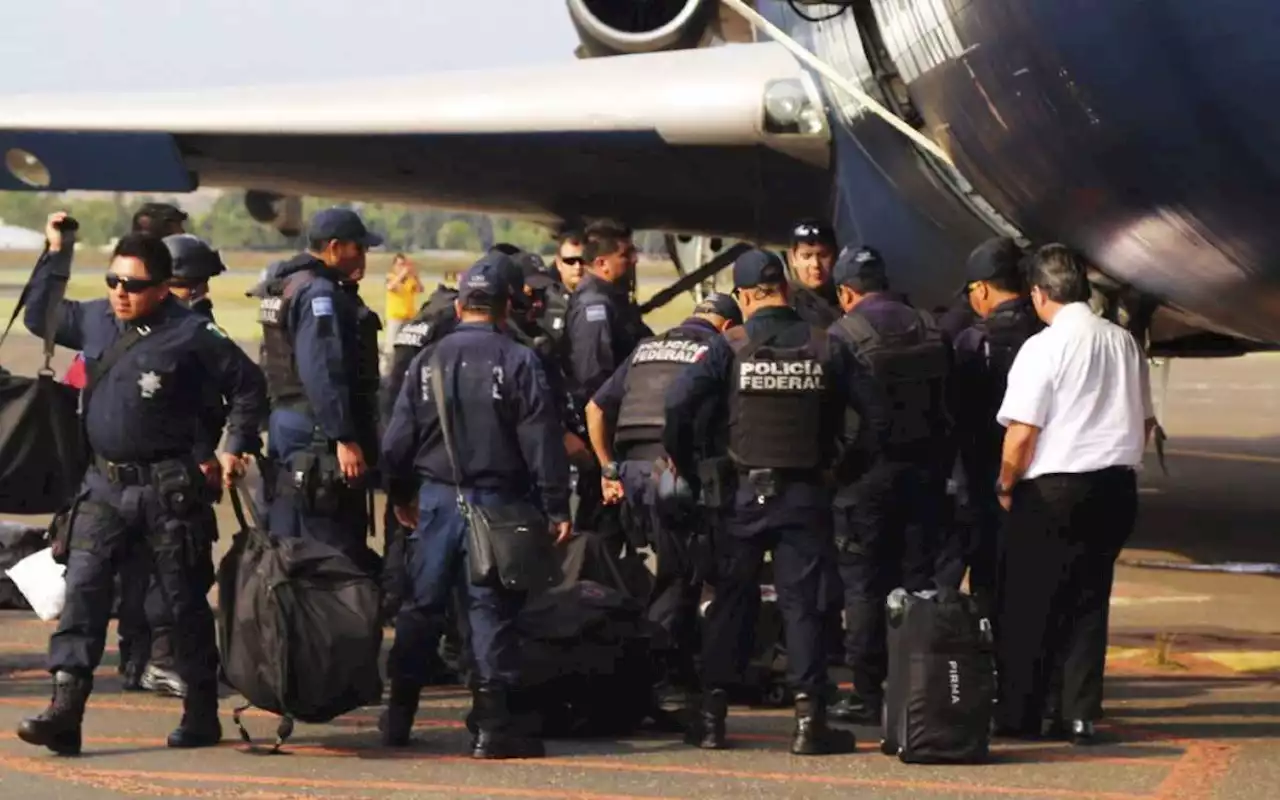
(1060, 273)
(608, 228)
(601, 245)
(157, 219)
(506, 248)
(151, 251)
(573, 236)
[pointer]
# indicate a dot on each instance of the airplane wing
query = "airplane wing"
(678, 140)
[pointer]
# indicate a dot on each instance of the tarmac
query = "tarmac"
(1192, 702)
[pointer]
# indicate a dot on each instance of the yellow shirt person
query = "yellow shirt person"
(403, 288)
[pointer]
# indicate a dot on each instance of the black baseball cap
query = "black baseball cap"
(721, 304)
(486, 282)
(159, 214)
(812, 231)
(343, 225)
(755, 267)
(855, 268)
(997, 257)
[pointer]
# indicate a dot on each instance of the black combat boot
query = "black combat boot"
(132, 673)
(200, 726)
(707, 730)
(857, 709)
(396, 722)
(58, 726)
(812, 736)
(495, 737)
(163, 681)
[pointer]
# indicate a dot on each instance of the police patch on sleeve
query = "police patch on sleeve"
(597, 313)
(213, 328)
(322, 306)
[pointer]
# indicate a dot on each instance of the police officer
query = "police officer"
(812, 254)
(320, 344)
(627, 413)
(150, 360)
(888, 521)
(603, 327)
(562, 280)
(509, 445)
(996, 290)
(782, 390)
(194, 263)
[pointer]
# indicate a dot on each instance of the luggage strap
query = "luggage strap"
(60, 268)
(283, 731)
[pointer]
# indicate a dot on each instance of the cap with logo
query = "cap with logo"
(812, 231)
(855, 268)
(720, 304)
(755, 267)
(486, 282)
(998, 257)
(343, 225)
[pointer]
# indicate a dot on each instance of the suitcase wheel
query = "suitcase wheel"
(777, 694)
(888, 748)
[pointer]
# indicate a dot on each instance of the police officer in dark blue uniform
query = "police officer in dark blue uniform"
(194, 264)
(812, 255)
(320, 344)
(889, 522)
(996, 289)
(149, 361)
(783, 390)
(625, 420)
(603, 326)
(510, 445)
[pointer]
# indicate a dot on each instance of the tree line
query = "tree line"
(228, 226)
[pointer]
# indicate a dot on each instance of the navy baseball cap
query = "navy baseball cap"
(812, 231)
(853, 267)
(341, 224)
(998, 257)
(486, 282)
(755, 267)
(721, 304)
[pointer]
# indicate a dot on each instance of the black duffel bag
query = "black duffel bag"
(42, 450)
(17, 541)
(299, 627)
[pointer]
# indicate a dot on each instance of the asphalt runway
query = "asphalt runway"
(1193, 699)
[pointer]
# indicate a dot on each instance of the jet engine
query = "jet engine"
(282, 212)
(620, 27)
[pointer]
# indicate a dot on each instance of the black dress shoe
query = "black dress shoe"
(1054, 728)
(857, 710)
(1083, 733)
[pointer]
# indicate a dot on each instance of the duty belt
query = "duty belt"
(126, 474)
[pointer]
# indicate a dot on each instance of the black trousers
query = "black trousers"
(888, 537)
(1060, 544)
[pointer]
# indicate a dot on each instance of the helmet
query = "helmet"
(193, 258)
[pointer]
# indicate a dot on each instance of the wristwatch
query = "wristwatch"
(610, 470)
(1002, 490)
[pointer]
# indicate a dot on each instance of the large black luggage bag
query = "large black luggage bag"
(299, 627)
(941, 688)
(586, 662)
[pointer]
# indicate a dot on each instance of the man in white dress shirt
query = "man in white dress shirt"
(1078, 412)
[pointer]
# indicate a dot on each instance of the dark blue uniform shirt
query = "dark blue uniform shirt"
(707, 383)
(147, 408)
(602, 329)
(507, 431)
(323, 321)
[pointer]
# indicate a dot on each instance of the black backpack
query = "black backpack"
(299, 627)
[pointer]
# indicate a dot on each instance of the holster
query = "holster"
(59, 533)
(315, 479)
(718, 479)
(181, 486)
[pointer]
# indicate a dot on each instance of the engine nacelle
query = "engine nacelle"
(282, 212)
(620, 27)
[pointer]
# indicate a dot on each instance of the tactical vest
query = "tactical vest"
(654, 366)
(911, 366)
(1003, 335)
(555, 311)
(284, 384)
(776, 403)
(364, 395)
(431, 322)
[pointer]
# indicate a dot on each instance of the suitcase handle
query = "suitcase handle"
(239, 501)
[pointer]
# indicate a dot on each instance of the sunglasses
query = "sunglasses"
(573, 261)
(131, 285)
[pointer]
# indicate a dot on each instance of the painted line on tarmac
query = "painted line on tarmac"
(1121, 601)
(112, 779)
(60, 770)
(1224, 456)
(1197, 774)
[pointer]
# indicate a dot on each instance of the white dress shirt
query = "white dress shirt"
(1084, 382)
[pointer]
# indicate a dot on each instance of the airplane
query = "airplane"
(1137, 132)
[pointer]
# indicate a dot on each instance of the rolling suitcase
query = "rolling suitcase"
(941, 686)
